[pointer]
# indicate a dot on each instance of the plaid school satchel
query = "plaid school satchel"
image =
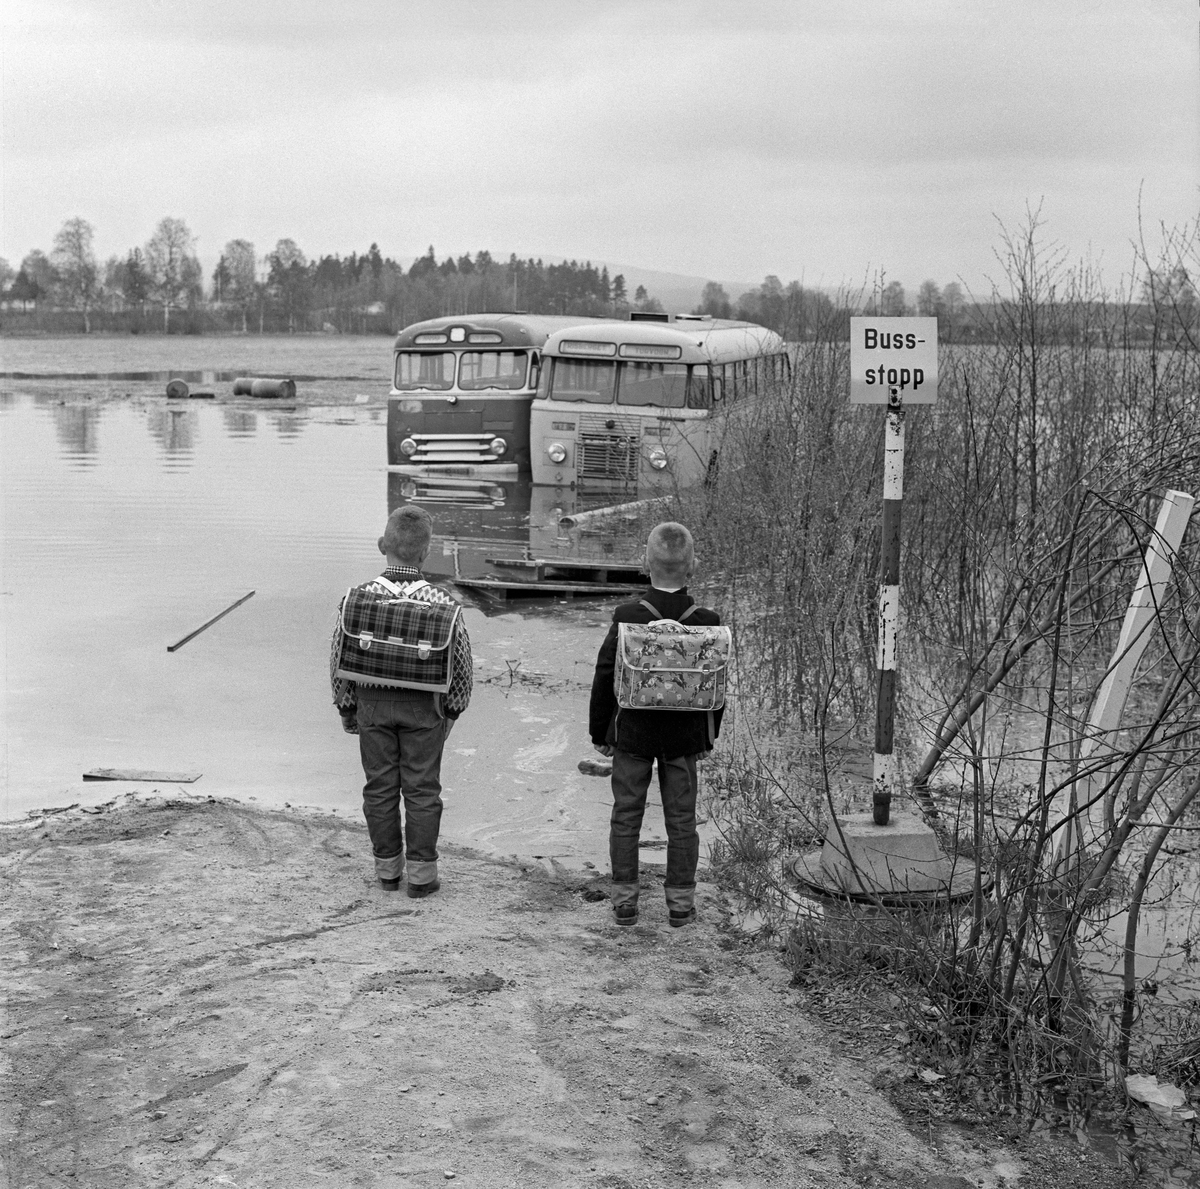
(392, 638)
(664, 665)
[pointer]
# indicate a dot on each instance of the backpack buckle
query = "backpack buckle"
(423, 649)
(365, 639)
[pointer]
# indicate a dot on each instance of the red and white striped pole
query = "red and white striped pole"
(889, 609)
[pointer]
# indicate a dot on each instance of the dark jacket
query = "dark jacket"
(666, 733)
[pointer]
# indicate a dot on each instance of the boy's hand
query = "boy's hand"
(604, 749)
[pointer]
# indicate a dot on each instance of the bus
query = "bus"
(461, 390)
(638, 406)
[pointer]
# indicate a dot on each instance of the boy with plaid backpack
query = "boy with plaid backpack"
(401, 698)
(648, 706)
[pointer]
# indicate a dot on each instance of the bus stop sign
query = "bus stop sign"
(890, 353)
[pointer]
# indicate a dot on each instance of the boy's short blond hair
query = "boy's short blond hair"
(407, 535)
(670, 551)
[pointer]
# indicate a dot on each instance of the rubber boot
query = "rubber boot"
(625, 903)
(681, 905)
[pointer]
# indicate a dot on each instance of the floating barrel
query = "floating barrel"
(177, 389)
(245, 386)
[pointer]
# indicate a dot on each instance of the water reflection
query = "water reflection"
(77, 430)
(287, 426)
(173, 429)
(239, 423)
(475, 521)
(510, 531)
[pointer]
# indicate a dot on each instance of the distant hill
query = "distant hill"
(678, 292)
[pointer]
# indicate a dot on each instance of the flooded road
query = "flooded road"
(129, 522)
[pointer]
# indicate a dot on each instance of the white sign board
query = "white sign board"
(893, 353)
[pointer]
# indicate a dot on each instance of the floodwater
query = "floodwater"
(128, 521)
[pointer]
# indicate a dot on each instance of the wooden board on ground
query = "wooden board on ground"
(141, 774)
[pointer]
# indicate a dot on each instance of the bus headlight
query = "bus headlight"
(498, 446)
(658, 458)
(498, 494)
(557, 453)
(408, 447)
(408, 489)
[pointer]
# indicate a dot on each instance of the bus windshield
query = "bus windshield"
(583, 380)
(492, 369)
(661, 385)
(424, 369)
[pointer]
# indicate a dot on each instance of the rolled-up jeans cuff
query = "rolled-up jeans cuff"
(624, 894)
(681, 899)
(390, 868)
(421, 873)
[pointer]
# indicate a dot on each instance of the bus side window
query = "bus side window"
(700, 387)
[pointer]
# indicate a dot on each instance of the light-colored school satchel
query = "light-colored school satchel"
(666, 665)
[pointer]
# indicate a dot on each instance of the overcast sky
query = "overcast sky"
(816, 141)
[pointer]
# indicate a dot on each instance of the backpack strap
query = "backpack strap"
(659, 615)
(401, 591)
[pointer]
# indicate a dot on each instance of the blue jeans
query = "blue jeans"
(678, 786)
(400, 737)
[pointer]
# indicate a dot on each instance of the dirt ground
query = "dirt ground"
(197, 992)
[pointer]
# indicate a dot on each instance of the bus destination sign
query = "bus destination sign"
(890, 353)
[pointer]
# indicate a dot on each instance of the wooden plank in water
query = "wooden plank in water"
(511, 589)
(221, 615)
(537, 568)
(141, 774)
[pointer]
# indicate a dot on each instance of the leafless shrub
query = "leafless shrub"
(1031, 494)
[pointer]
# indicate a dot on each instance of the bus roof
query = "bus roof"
(519, 330)
(716, 340)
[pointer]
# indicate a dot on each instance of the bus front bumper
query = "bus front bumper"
(481, 470)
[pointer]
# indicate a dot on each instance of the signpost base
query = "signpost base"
(900, 865)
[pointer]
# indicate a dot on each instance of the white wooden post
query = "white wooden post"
(1104, 721)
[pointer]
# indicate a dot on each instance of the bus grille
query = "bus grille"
(449, 448)
(608, 456)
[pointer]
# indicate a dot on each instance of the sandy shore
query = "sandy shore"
(198, 992)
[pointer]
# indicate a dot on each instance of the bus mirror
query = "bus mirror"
(534, 372)
(718, 391)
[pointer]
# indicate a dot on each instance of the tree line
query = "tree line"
(1167, 304)
(162, 285)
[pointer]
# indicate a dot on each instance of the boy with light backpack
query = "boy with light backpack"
(657, 698)
(401, 670)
